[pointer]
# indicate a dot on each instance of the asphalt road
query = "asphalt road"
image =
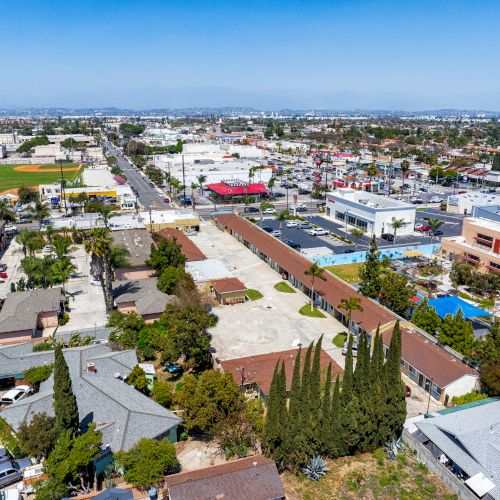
(147, 195)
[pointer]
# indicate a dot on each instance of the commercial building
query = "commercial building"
(370, 212)
(479, 243)
(464, 203)
(156, 220)
(229, 189)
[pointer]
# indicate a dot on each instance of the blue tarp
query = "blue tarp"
(451, 305)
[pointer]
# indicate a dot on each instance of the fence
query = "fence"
(358, 257)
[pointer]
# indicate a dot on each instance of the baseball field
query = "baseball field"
(15, 176)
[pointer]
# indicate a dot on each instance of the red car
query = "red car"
(3, 275)
(424, 229)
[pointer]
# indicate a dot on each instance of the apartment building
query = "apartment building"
(479, 243)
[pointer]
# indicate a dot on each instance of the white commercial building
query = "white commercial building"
(369, 212)
(463, 203)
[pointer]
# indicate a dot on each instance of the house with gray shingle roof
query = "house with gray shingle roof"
(468, 443)
(123, 414)
(142, 297)
(23, 313)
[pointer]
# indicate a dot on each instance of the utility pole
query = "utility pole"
(390, 176)
(183, 183)
(63, 195)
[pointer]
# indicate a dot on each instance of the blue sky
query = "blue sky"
(399, 54)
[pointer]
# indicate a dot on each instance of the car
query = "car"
(407, 391)
(269, 211)
(292, 223)
(3, 275)
(12, 471)
(305, 191)
(416, 200)
(301, 209)
(292, 244)
(250, 210)
(435, 199)
(354, 348)
(47, 249)
(318, 231)
(172, 368)
(438, 232)
(423, 228)
(19, 392)
(278, 195)
(349, 250)
(267, 229)
(418, 225)
(406, 186)
(387, 236)
(276, 232)
(304, 225)
(3, 267)
(423, 190)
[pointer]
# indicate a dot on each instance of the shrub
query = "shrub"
(63, 319)
(38, 374)
(43, 346)
(468, 398)
(162, 393)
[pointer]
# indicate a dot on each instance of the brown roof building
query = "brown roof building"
(189, 249)
(432, 367)
(229, 290)
(254, 478)
(292, 265)
(256, 372)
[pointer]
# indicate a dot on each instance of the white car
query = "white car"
(318, 231)
(269, 211)
(292, 223)
(435, 199)
(19, 392)
(47, 249)
(276, 233)
(418, 225)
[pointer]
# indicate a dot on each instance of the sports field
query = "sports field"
(15, 176)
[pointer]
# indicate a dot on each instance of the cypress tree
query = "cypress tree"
(363, 394)
(315, 401)
(282, 447)
(369, 273)
(377, 390)
(305, 396)
(395, 407)
(333, 441)
(325, 415)
(272, 417)
(65, 406)
(349, 427)
(347, 381)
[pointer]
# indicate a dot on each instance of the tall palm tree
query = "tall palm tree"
(314, 272)
(98, 245)
(356, 233)
(270, 184)
(23, 238)
(106, 212)
(349, 305)
(397, 224)
(62, 246)
(371, 171)
(40, 211)
(282, 216)
(62, 269)
(405, 166)
(434, 224)
(6, 213)
(49, 233)
(35, 242)
(201, 179)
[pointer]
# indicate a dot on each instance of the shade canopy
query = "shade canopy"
(412, 253)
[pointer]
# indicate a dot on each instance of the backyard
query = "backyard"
(347, 272)
(15, 176)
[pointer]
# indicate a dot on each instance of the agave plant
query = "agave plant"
(316, 468)
(393, 448)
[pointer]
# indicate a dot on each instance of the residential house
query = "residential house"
(142, 297)
(255, 478)
(24, 313)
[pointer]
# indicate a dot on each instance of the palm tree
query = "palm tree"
(35, 242)
(405, 166)
(282, 216)
(397, 224)
(50, 232)
(349, 305)
(40, 211)
(62, 246)
(314, 272)
(106, 213)
(270, 184)
(371, 171)
(23, 238)
(201, 179)
(62, 269)
(6, 213)
(356, 233)
(434, 224)
(98, 245)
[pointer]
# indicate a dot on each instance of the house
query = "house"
(138, 243)
(23, 313)
(142, 297)
(189, 249)
(156, 220)
(432, 367)
(229, 291)
(292, 266)
(253, 478)
(123, 414)
(466, 442)
(255, 373)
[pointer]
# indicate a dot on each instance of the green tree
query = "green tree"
(356, 233)
(27, 146)
(397, 224)
(434, 224)
(162, 393)
(138, 380)
(314, 272)
(496, 163)
(169, 278)
(26, 194)
(332, 443)
(370, 272)
(40, 211)
(207, 400)
(147, 462)
(107, 212)
(457, 332)
(201, 180)
(426, 317)
(6, 212)
(461, 273)
(38, 374)
(371, 171)
(487, 353)
(37, 438)
(165, 252)
(65, 406)
(349, 305)
(396, 293)
(62, 269)
(347, 381)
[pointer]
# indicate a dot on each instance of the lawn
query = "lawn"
(305, 310)
(10, 178)
(339, 339)
(284, 287)
(369, 476)
(346, 272)
(254, 294)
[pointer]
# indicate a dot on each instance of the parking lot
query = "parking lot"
(269, 324)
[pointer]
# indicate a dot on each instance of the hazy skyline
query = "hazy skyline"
(295, 54)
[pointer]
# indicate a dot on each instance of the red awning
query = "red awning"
(226, 190)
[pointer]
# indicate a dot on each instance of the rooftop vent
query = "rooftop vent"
(90, 368)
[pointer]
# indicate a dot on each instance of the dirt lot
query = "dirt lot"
(367, 477)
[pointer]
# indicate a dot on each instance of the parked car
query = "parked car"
(4, 455)
(416, 200)
(279, 195)
(3, 275)
(172, 368)
(435, 199)
(16, 394)
(292, 244)
(407, 391)
(304, 225)
(387, 236)
(292, 223)
(318, 231)
(250, 210)
(269, 211)
(418, 225)
(267, 229)
(305, 191)
(12, 471)
(349, 250)
(301, 209)
(354, 348)
(47, 249)
(423, 190)
(3, 267)
(438, 232)
(276, 232)
(423, 228)
(406, 186)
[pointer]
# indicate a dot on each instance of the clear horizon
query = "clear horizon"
(338, 55)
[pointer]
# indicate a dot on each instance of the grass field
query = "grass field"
(346, 272)
(10, 178)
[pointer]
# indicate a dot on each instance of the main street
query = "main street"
(148, 196)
